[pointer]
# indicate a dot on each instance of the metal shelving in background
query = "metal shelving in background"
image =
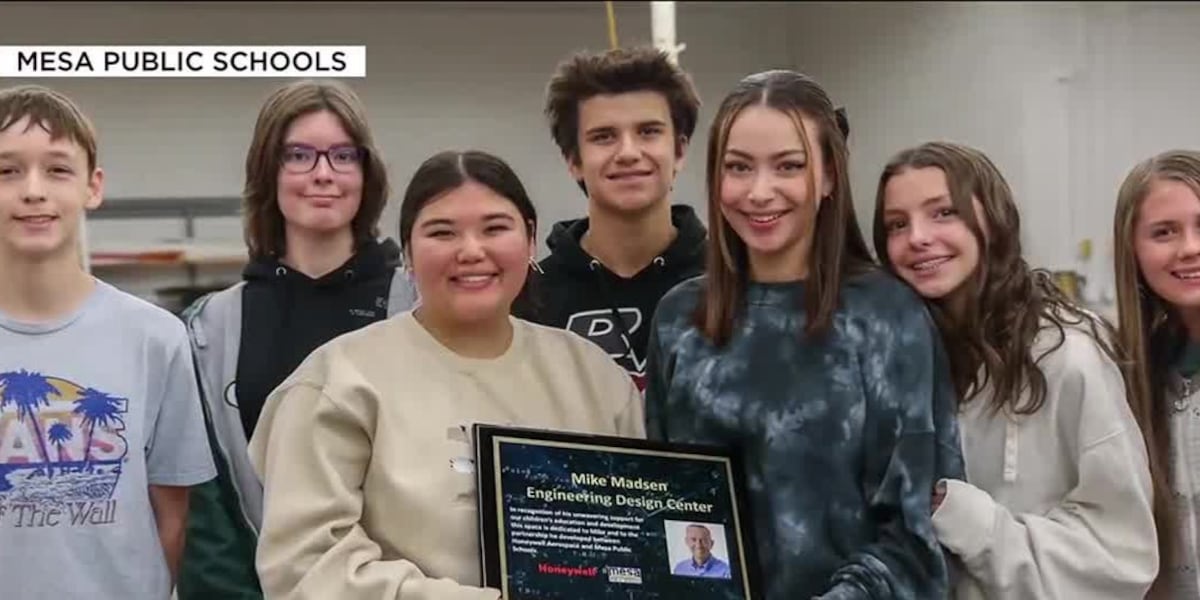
(183, 252)
(148, 263)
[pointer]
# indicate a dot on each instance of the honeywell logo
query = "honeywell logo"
(568, 571)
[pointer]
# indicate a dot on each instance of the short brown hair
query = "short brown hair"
(618, 71)
(264, 221)
(51, 110)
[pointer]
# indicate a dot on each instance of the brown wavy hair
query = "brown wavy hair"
(1151, 330)
(584, 75)
(839, 248)
(264, 226)
(1007, 300)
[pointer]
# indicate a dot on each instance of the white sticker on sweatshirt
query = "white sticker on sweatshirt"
(462, 464)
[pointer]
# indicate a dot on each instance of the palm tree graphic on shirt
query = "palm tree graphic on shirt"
(54, 412)
(29, 392)
(60, 434)
(97, 408)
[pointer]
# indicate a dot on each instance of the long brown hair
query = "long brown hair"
(1150, 329)
(1007, 300)
(838, 246)
(264, 221)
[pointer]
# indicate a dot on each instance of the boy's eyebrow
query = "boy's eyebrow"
(658, 122)
(600, 128)
(52, 153)
(60, 154)
(646, 123)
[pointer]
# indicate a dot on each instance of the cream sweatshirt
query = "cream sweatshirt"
(1183, 397)
(367, 464)
(1059, 502)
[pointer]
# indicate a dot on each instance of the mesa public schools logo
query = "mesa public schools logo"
(624, 575)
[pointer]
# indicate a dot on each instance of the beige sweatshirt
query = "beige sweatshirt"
(364, 452)
(1059, 502)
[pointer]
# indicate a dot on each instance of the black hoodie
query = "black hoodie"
(576, 292)
(287, 314)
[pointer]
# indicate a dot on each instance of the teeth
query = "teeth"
(474, 278)
(1188, 276)
(929, 265)
(765, 218)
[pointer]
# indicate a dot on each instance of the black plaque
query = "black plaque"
(580, 517)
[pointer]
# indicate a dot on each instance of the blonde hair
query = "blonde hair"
(1150, 330)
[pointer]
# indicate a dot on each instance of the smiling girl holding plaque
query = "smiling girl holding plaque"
(826, 371)
(364, 450)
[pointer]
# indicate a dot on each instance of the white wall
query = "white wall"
(1064, 97)
(1138, 95)
(439, 76)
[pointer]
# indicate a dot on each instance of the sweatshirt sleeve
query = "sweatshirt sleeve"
(631, 422)
(312, 455)
(1099, 541)
(901, 380)
(658, 373)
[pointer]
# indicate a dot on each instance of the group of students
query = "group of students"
(938, 421)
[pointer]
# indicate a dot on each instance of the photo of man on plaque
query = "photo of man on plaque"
(701, 543)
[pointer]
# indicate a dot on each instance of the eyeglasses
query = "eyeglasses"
(302, 158)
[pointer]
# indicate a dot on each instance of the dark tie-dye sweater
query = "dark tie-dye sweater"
(843, 438)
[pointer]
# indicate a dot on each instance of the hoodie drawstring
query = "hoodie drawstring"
(597, 268)
(1010, 449)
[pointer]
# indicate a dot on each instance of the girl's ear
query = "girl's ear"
(531, 227)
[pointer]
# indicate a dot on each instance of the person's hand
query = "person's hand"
(939, 494)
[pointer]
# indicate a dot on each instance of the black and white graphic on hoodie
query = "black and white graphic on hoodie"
(576, 292)
(603, 327)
